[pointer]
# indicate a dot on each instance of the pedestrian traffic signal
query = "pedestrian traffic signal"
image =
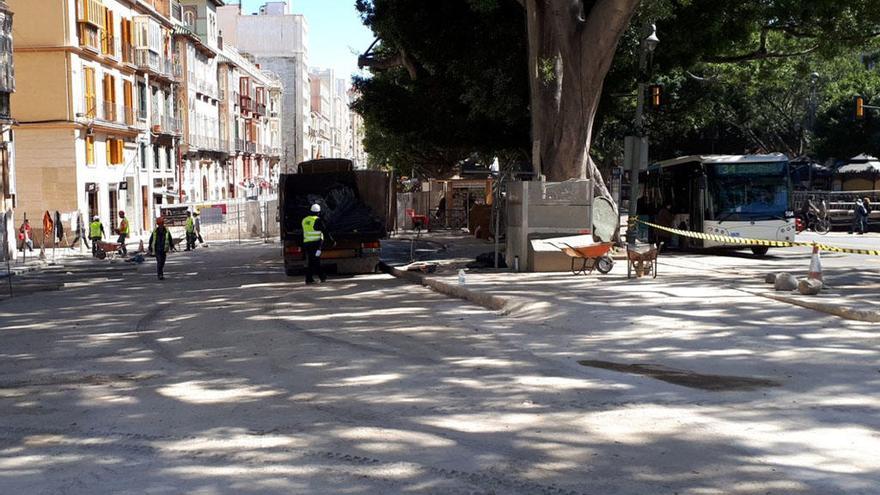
(860, 107)
(655, 92)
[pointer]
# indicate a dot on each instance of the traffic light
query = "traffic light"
(860, 107)
(655, 94)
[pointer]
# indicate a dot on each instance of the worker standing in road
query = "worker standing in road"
(123, 231)
(313, 240)
(160, 244)
(96, 233)
(190, 232)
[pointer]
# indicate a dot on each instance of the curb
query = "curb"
(503, 304)
(845, 312)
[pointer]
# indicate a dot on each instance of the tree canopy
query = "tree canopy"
(451, 78)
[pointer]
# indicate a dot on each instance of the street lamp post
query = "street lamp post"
(636, 147)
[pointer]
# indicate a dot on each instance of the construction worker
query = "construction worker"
(96, 233)
(190, 231)
(123, 231)
(313, 241)
(160, 244)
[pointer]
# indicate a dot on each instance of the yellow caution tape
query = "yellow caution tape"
(757, 242)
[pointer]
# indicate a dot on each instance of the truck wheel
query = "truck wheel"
(760, 250)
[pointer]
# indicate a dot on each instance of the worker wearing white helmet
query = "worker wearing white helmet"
(313, 240)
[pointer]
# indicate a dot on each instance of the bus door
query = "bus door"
(697, 205)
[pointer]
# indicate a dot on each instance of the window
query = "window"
(115, 151)
(169, 162)
(143, 155)
(108, 40)
(92, 17)
(142, 101)
(127, 35)
(156, 166)
(109, 98)
(90, 150)
(127, 101)
(91, 101)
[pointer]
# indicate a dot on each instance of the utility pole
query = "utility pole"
(636, 147)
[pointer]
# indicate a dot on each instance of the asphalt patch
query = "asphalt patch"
(685, 378)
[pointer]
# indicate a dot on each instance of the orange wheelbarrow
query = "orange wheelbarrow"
(588, 258)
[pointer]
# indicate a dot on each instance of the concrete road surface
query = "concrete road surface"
(230, 378)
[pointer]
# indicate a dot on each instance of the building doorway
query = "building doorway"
(145, 208)
(92, 195)
(114, 205)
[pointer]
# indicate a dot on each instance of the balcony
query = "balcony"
(146, 59)
(110, 46)
(129, 115)
(260, 109)
(276, 151)
(127, 53)
(250, 147)
(108, 111)
(247, 105)
(239, 145)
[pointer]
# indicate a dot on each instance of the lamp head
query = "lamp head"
(652, 40)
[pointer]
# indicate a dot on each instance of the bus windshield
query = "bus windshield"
(747, 191)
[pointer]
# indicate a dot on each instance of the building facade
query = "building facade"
(278, 41)
(97, 130)
(7, 147)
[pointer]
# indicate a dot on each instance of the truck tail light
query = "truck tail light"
(371, 247)
(294, 250)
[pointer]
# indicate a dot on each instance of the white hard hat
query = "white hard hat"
(316, 208)
(96, 217)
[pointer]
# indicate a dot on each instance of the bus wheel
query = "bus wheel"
(760, 250)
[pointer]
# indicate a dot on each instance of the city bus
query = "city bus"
(747, 196)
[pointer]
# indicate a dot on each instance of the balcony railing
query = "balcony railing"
(109, 112)
(148, 60)
(129, 115)
(239, 145)
(260, 109)
(276, 151)
(110, 45)
(251, 147)
(127, 52)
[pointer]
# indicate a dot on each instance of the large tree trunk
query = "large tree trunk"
(571, 48)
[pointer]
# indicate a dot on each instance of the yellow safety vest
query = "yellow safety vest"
(155, 238)
(95, 230)
(309, 232)
(190, 225)
(123, 226)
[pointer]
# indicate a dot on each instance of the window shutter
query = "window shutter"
(90, 150)
(109, 146)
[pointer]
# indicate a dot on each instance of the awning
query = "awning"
(860, 168)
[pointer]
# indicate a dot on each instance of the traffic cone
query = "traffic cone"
(815, 265)
(141, 246)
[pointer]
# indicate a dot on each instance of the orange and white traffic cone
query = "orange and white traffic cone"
(141, 246)
(815, 265)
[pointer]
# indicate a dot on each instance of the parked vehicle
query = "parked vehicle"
(745, 196)
(357, 207)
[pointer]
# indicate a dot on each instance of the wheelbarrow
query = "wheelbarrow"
(105, 249)
(642, 259)
(588, 258)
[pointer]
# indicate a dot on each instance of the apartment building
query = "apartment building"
(320, 133)
(251, 124)
(278, 41)
(229, 111)
(7, 148)
(97, 132)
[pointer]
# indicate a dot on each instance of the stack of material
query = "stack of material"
(342, 211)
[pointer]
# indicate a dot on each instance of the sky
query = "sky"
(336, 34)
